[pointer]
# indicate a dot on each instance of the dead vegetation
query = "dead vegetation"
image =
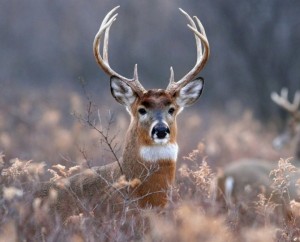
(192, 214)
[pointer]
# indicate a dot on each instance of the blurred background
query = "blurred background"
(46, 54)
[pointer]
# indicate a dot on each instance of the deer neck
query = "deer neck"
(137, 155)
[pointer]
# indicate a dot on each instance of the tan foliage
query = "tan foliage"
(188, 223)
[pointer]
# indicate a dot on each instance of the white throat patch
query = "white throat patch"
(159, 152)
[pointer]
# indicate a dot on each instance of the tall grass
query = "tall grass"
(53, 149)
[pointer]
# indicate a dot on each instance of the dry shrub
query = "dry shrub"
(195, 179)
(29, 219)
(263, 234)
(19, 170)
(26, 218)
(192, 217)
(187, 222)
(285, 179)
(281, 177)
(264, 209)
(59, 172)
(18, 179)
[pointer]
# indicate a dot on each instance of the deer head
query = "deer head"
(153, 112)
(292, 129)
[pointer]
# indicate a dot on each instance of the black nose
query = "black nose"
(160, 131)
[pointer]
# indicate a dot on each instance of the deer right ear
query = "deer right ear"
(122, 92)
(190, 93)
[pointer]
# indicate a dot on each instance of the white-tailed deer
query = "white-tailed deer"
(242, 181)
(150, 148)
(292, 130)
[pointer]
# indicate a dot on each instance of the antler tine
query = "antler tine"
(284, 93)
(171, 76)
(282, 100)
(297, 104)
(297, 100)
(103, 62)
(203, 52)
(194, 26)
(106, 23)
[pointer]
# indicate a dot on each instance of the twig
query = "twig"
(105, 134)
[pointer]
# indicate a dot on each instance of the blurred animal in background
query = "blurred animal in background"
(251, 184)
(291, 135)
(147, 170)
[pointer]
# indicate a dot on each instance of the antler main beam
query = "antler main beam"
(202, 45)
(203, 52)
(103, 62)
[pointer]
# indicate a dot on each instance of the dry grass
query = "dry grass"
(192, 213)
(59, 149)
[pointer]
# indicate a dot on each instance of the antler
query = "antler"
(103, 62)
(202, 54)
(282, 100)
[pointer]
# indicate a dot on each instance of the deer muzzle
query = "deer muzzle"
(160, 132)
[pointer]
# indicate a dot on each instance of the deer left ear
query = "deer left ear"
(122, 92)
(190, 93)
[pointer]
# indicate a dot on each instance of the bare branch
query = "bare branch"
(92, 123)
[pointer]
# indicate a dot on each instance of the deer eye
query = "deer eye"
(171, 111)
(142, 111)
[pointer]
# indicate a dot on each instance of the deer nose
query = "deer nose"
(160, 131)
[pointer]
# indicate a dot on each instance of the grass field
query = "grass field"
(45, 137)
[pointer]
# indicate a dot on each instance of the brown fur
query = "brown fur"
(153, 190)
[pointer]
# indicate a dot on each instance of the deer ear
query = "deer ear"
(190, 93)
(122, 92)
